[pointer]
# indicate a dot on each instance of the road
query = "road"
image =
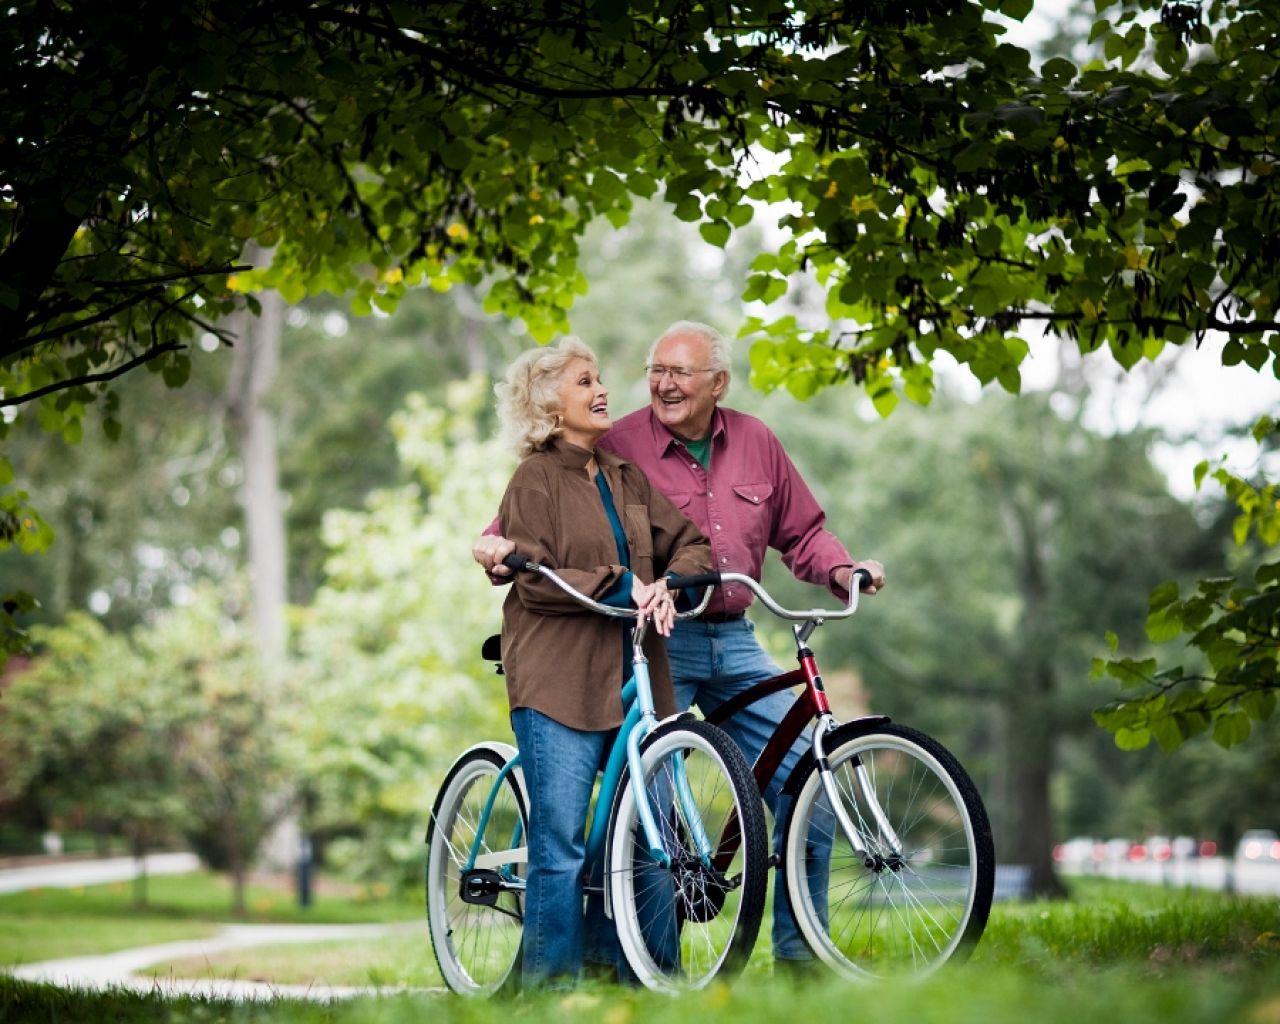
(1245, 877)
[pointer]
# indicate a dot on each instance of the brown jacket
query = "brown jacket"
(560, 658)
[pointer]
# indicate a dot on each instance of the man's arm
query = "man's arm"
(811, 551)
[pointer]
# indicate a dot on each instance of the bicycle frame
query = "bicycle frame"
(639, 720)
(810, 705)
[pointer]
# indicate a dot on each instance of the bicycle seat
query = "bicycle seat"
(491, 650)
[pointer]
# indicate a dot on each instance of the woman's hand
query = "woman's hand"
(656, 602)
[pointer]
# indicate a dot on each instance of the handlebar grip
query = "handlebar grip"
(516, 562)
(701, 579)
(864, 578)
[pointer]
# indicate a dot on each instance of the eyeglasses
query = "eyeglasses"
(657, 371)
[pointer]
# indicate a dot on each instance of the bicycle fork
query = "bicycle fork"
(862, 780)
(683, 792)
(867, 795)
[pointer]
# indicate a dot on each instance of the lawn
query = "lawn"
(46, 924)
(1113, 952)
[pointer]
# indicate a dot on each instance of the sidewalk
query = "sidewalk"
(70, 874)
(120, 970)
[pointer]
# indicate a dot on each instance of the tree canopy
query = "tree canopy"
(942, 189)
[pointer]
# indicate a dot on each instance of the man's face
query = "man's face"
(684, 404)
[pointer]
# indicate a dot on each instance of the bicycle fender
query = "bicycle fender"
(505, 751)
(857, 726)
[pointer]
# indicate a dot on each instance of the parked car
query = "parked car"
(1258, 844)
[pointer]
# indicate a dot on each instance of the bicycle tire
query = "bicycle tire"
(901, 916)
(477, 943)
(715, 908)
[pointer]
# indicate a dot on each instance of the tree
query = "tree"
(388, 653)
(76, 729)
(1013, 536)
(1232, 624)
(944, 189)
(155, 734)
(941, 189)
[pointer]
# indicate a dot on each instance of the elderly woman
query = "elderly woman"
(598, 522)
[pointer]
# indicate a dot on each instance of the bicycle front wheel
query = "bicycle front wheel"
(681, 923)
(476, 862)
(918, 894)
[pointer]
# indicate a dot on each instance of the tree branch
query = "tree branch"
(93, 378)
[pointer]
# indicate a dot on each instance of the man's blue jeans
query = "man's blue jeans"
(710, 663)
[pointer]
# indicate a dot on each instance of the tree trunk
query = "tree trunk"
(1031, 760)
(139, 850)
(257, 360)
(1030, 742)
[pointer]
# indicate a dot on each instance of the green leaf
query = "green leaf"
(1231, 728)
(1058, 71)
(716, 232)
(1132, 739)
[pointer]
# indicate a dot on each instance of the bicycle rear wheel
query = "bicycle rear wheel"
(893, 911)
(475, 909)
(681, 925)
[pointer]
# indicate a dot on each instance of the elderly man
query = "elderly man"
(728, 473)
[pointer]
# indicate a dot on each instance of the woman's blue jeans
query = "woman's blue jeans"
(560, 766)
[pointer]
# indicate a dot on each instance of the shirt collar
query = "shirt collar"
(568, 455)
(665, 440)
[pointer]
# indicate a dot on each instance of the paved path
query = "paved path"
(70, 874)
(120, 970)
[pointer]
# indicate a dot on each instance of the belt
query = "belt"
(721, 616)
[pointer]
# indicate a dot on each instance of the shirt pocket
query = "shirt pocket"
(639, 536)
(682, 500)
(754, 513)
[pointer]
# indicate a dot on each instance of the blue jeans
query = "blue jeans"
(710, 663)
(560, 766)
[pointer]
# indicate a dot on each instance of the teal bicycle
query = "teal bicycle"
(676, 846)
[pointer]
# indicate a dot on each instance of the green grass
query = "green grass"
(1114, 952)
(392, 961)
(46, 924)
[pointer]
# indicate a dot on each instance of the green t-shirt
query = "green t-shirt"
(701, 450)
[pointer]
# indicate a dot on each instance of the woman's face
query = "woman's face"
(584, 404)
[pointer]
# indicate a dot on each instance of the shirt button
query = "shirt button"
(724, 561)
(711, 494)
(717, 526)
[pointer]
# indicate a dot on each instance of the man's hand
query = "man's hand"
(490, 550)
(844, 576)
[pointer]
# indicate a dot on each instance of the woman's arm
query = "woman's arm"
(532, 522)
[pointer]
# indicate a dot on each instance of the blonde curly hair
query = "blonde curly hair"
(528, 399)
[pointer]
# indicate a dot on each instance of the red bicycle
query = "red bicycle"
(888, 857)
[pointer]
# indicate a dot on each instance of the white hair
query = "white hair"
(529, 398)
(717, 342)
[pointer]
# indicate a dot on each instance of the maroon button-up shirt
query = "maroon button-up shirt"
(752, 498)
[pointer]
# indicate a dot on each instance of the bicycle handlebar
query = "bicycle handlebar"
(801, 615)
(517, 562)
